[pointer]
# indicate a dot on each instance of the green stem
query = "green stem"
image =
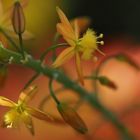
(55, 40)
(31, 80)
(67, 83)
(52, 92)
(59, 90)
(42, 57)
(97, 72)
(9, 39)
(42, 103)
(21, 45)
(35, 76)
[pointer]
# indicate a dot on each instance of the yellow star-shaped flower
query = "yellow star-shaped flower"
(21, 112)
(81, 48)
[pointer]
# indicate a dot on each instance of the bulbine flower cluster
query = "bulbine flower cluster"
(79, 47)
(81, 44)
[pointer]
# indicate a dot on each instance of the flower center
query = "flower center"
(20, 109)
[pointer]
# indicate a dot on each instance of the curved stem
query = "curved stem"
(59, 90)
(52, 92)
(120, 57)
(55, 39)
(42, 57)
(42, 103)
(31, 80)
(96, 74)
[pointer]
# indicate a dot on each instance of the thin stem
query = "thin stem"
(31, 80)
(9, 39)
(21, 45)
(55, 39)
(59, 90)
(42, 57)
(35, 76)
(96, 74)
(52, 92)
(42, 103)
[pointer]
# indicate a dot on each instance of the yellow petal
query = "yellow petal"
(28, 122)
(79, 69)
(27, 94)
(6, 102)
(68, 36)
(44, 116)
(64, 19)
(76, 29)
(64, 56)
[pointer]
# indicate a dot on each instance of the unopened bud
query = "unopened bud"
(18, 19)
(72, 118)
(107, 82)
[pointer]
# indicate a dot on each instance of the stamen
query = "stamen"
(100, 42)
(100, 36)
(101, 52)
(10, 125)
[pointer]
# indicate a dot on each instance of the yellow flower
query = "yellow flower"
(80, 47)
(21, 112)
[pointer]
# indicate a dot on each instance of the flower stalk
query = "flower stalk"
(63, 79)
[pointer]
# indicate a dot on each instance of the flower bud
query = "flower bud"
(107, 82)
(72, 118)
(18, 19)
